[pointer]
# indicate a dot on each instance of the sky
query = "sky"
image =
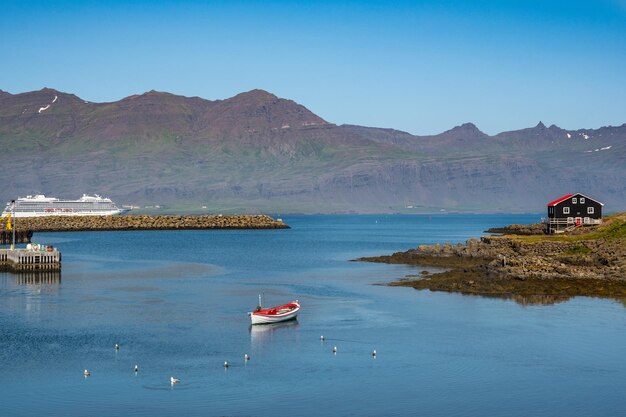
(418, 66)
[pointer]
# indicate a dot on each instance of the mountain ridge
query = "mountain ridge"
(267, 95)
(259, 152)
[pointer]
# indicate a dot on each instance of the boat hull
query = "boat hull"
(276, 314)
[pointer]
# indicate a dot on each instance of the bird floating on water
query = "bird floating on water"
(117, 347)
(86, 373)
(174, 380)
(226, 365)
(246, 357)
(374, 353)
(136, 368)
(322, 338)
(334, 349)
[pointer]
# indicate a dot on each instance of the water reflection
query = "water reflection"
(538, 299)
(265, 333)
(527, 300)
(52, 278)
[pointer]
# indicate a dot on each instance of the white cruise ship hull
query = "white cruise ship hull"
(42, 206)
(18, 215)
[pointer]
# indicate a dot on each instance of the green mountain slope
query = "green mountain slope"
(257, 152)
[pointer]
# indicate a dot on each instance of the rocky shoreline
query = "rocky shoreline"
(133, 222)
(589, 262)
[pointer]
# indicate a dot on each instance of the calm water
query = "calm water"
(176, 303)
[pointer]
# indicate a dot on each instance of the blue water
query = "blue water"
(176, 302)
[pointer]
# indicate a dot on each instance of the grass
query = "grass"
(614, 230)
(577, 250)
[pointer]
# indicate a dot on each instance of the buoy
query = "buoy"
(322, 338)
(86, 373)
(246, 357)
(117, 347)
(174, 380)
(136, 368)
(334, 349)
(374, 353)
(226, 365)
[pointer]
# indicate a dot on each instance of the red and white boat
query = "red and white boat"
(276, 314)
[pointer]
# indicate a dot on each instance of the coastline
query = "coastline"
(144, 222)
(523, 263)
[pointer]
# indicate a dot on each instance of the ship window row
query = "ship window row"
(77, 205)
(21, 209)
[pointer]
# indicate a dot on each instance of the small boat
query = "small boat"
(276, 314)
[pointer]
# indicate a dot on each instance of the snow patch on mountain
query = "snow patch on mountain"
(46, 107)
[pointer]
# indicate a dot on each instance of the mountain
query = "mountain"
(258, 152)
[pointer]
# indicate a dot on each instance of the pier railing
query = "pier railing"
(560, 225)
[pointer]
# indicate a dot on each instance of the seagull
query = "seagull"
(86, 373)
(117, 347)
(174, 380)
(374, 353)
(226, 365)
(136, 368)
(246, 357)
(335, 349)
(322, 338)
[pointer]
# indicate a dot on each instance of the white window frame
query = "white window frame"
(591, 210)
(570, 220)
(565, 210)
(582, 200)
(574, 200)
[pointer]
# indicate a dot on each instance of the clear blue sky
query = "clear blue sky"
(419, 66)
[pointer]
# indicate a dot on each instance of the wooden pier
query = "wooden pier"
(30, 260)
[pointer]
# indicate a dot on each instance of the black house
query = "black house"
(573, 210)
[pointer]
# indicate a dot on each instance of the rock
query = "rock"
(142, 222)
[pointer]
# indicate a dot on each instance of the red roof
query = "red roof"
(558, 200)
(565, 197)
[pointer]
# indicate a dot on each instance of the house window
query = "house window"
(590, 210)
(574, 200)
(570, 220)
(582, 200)
(565, 210)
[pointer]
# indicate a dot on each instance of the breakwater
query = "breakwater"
(132, 222)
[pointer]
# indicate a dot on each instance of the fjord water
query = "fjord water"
(176, 303)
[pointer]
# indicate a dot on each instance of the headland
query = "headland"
(524, 262)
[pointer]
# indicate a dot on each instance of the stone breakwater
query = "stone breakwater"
(132, 222)
(591, 263)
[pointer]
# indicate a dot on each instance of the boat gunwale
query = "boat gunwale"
(294, 308)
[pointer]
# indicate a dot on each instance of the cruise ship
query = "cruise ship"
(40, 205)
